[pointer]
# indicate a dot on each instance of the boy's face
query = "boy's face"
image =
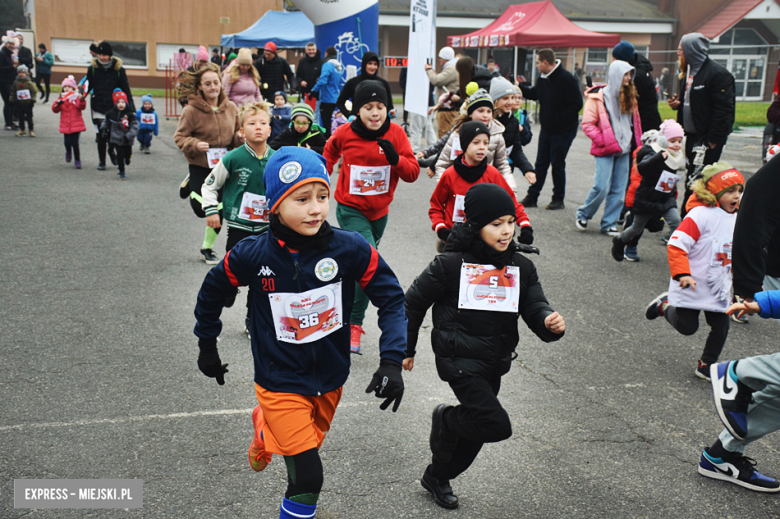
(483, 114)
(22, 74)
(504, 103)
(279, 101)
(301, 123)
(373, 114)
(256, 128)
(498, 233)
(729, 201)
(121, 105)
(477, 150)
(491, 66)
(147, 105)
(305, 209)
(516, 102)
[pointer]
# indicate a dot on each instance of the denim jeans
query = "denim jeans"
(552, 150)
(609, 182)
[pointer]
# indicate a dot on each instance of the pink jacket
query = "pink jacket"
(242, 90)
(595, 124)
(71, 120)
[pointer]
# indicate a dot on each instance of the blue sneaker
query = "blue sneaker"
(731, 397)
(631, 254)
(656, 307)
(738, 469)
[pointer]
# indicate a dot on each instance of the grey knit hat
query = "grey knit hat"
(500, 87)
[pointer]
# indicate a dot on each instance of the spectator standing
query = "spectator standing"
(445, 82)
(7, 76)
(216, 58)
(328, 87)
(44, 62)
(369, 69)
(419, 125)
(309, 68)
(25, 55)
(241, 80)
(644, 83)
(706, 103)
(560, 101)
(664, 81)
(273, 71)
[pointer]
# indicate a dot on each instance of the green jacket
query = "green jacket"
(21, 85)
(238, 172)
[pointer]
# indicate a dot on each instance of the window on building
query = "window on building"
(735, 51)
(596, 62)
(132, 54)
(71, 52)
(166, 53)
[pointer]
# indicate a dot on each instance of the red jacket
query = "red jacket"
(71, 120)
(364, 160)
(451, 185)
(636, 178)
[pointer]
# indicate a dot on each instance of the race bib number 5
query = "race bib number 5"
(308, 316)
(368, 181)
(484, 287)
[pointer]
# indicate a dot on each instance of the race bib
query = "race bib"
(667, 182)
(307, 317)
(254, 208)
(721, 252)
(148, 118)
(23, 95)
(484, 287)
(368, 181)
(459, 211)
(214, 155)
(455, 148)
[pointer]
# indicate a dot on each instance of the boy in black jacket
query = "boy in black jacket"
(302, 131)
(502, 92)
(478, 287)
(120, 128)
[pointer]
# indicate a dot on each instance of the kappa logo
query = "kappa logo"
(265, 271)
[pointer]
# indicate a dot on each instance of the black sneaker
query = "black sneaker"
(655, 308)
(555, 204)
(208, 256)
(612, 231)
(101, 166)
(528, 201)
(736, 468)
(702, 371)
(184, 187)
(618, 248)
(441, 490)
(731, 397)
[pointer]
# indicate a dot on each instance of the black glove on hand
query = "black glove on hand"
(443, 233)
(388, 384)
(209, 362)
(526, 235)
(527, 249)
(390, 154)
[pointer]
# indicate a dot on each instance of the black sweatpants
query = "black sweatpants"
(479, 419)
(25, 113)
(102, 142)
(686, 321)
(123, 154)
(47, 80)
(72, 143)
(326, 116)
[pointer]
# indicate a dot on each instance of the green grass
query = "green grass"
(747, 114)
(137, 92)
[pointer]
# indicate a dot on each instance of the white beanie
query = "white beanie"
(447, 53)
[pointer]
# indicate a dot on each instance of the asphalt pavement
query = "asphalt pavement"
(98, 284)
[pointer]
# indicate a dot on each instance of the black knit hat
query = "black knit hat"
(367, 91)
(487, 202)
(469, 131)
(93, 47)
(105, 48)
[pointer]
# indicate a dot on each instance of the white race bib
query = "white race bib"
(667, 182)
(721, 252)
(148, 118)
(254, 208)
(484, 287)
(455, 148)
(214, 155)
(23, 95)
(369, 180)
(459, 211)
(307, 317)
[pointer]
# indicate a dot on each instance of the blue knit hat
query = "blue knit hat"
(624, 51)
(280, 93)
(145, 98)
(288, 169)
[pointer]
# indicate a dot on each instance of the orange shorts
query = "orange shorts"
(296, 423)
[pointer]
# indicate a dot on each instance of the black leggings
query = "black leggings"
(304, 476)
(72, 142)
(198, 176)
(123, 154)
(102, 142)
(46, 79)
(25, 113)
(686, 321)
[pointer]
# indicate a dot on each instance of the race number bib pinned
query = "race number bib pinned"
(485, 287)
(459, 211)
(149, 119)
(368, 181)
(667, 182)
(309, 316)
(214, 155)
(23, 95)
(254, 208)
(721, 252)
(455, 147)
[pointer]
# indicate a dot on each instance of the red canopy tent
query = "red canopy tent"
(536, 24)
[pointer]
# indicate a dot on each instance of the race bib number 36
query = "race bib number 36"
(309, 316)
(484, 287)
(369, 180)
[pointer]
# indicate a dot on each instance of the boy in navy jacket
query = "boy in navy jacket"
(302, 274)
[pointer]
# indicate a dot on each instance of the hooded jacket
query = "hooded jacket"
(596, 125)
(348, 92)
(707, 94)
(314, 137)
(199, 122)
(621, 123)
(70, 106)
(103, 81)
(309, 70)
(559, 99)
(472, 342)
(647, 96)
(328, 84)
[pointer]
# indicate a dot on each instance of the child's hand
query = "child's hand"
(408, 363)
(666, 155)
(687, 281)
(431, 173)
(202, 146)
(530, 176)
(420, 155)
(213, 221)
(554, 323)
(743, 308)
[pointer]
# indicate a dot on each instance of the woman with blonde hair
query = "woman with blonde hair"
(241, 80)
(208, 128)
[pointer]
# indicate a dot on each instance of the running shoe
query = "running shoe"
(258, 458)
(731, 397)
(738, 469)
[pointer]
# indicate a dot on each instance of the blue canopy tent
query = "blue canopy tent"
(286, 30)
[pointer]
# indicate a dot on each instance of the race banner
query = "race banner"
(422, 50)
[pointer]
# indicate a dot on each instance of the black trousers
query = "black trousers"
(25, 113)
(47, 80)
(479, 419)
(123, 154)
(552, 150)
(72, 143)
(686, 321)
(102, 142)
(326, 116)
(710, 157)
(8, 111)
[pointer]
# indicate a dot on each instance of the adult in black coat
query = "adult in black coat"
(369, 69)
(7, 76)
(309, 68)
(647, 97)
(25, 55)
(273, 71)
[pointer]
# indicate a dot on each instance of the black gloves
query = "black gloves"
(443, 233)
(526, 235)
(209, 362)
(390, 153)
(388, 384)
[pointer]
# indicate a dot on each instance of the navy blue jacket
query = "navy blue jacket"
(263, 263)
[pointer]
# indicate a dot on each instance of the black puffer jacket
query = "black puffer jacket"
(273, 73)
(309, 70)
(472, 341)
(648, 97)
(348, 92)
(7, 67)
(513, 140)
(648, 199)
(315, 138)
(103, 81)
(713, 102)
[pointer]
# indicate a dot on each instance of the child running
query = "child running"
(149, 124)
(478, 288)
(70, 105)
(376, 154)
(470, 167)
(700, 262)
(301, 131)
(303, 274)
(120, 128)
(281, 114)
(502, 92)
(23, 96)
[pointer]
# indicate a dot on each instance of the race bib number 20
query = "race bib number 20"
(485, 287)
(308, 316)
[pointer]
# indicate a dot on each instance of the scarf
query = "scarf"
(466, 237)
(299, 242)
(370, 135)
(675, 160)
(469, 173)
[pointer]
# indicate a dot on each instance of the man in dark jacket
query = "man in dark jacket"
(7, 76)
(560, 102)
(25, 55)
(309, 68)
(644, 83)
(273, 70)
(369, 69)
(707, 102)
